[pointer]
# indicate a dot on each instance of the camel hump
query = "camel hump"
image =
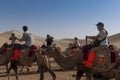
(104, 60)
(33, 47)
(28, 51)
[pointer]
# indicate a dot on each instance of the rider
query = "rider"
(100, 43)
(76, 43)
(43, 46)
(49, 40)
(13, 58)
(100, 40)
(29, 43)
(27, 37)
(13, 39)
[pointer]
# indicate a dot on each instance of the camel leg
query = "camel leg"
(22, 69)
(6, 68)
(89, 74)
(14, 66)
(16, 72)
(51, 72)
(49, 63)
(8, 72)
(38, 70)
(79, 74)
(45, 66)
(41, 71)
(9, 69)
(27, 68)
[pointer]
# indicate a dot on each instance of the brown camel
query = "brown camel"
(69, 62)
(4, 61)
(23, 60)
(27, 61)
(76, 61)
(4, 57)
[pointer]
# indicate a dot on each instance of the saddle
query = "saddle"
(100, 61)
(21, 52)
(32, 52)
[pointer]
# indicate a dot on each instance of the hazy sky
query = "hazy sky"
(60, 18)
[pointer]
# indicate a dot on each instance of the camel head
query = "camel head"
(3, 48)
(54, 48)
(5, 45)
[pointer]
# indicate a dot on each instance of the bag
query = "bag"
(97, 42)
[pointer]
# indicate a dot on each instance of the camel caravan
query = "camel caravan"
(99, 60)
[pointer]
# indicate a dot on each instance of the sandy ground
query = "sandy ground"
(33, 75)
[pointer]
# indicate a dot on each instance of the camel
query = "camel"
(22, 60)
(3, 57)
(76, 61)
(48, 57)
(70, 62)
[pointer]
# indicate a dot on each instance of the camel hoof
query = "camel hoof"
(4, 72)
(20, 70)
(28, 70)
(38, 71)
(54, 77)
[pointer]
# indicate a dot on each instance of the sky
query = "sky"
(60, 18)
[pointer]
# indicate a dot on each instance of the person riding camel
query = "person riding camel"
(100, 43)
(43, 46)
(27, 37)
(13, 39)
(100, 40)
(76, 45)
(49, 40)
